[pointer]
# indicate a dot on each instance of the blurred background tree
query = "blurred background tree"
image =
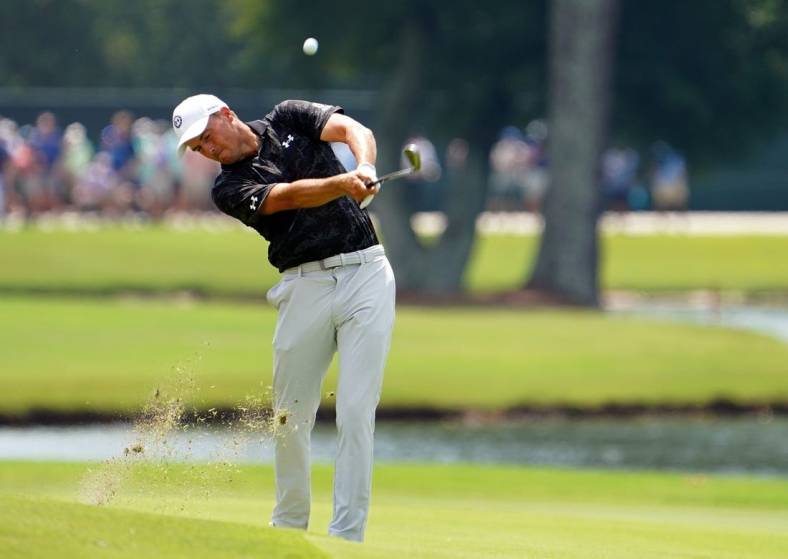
(94, 43)
(582, 48)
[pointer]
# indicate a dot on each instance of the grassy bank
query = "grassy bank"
(109, 355)
(430, 512)
(49, 529)
(233, 261)
(750, 264)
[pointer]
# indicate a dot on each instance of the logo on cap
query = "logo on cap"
(177, 121)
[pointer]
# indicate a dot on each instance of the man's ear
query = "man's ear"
(228, 114)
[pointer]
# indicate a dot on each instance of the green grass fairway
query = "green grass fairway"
(145, 259)
(750, 264)
(429, 512)
(233, 261)
(109, 354)
(42, 528)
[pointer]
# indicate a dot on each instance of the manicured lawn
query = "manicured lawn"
(110, 355)
(147, 259)
(751, 264)
(418, 512)
(44, 528)
(233, 261)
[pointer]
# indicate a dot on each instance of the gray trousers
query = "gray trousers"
(349, 309)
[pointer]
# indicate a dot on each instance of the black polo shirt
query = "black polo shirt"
(291, 149)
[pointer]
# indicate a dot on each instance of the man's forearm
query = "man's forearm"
(359, 138)
(361, 142)
(304, 193)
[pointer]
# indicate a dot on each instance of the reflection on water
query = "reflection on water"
(757, 446)
(772, 321)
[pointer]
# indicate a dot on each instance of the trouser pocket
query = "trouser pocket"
(278, 292)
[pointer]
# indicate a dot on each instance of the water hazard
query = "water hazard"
(753, 445)
(772, 321)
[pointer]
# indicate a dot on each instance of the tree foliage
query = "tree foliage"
(707, 75)
(486, 58)
(112, 43)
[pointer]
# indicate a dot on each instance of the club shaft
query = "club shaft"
(389, 176)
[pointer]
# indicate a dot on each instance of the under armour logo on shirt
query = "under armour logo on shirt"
(286, 143)
(253, 205)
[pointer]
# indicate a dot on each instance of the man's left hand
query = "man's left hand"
(368, 174)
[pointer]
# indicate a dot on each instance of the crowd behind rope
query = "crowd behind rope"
(132, 168)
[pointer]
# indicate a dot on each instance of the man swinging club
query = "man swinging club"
(280, 177)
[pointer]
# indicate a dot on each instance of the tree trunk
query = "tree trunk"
(581, 59)
(438, 268)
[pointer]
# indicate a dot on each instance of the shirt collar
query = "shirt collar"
(258, 126)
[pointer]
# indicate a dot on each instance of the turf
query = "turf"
(44, 528)
(109, 355)
(114, 259)
(232, 261)
(750, 264)
(434, 511)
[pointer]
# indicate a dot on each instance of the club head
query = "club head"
(413, 156)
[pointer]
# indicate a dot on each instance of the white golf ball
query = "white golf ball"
(310, 46)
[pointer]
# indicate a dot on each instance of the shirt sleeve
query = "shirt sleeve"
(307, 117)
(240, 197)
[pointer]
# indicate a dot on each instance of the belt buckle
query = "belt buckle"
(322, 264)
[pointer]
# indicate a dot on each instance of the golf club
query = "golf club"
(413, 156)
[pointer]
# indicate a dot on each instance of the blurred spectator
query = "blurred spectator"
(509, 160)
(518, 163)
(425, 193)
(36, 162)
(4, 157)
(93, 190)
(156, 190)
(619, 176)
(638, 197)
(77, 154)
(28, 177)
(45, 140)
(669, 188)
(10, 140)
(457, 155)
(116, 140)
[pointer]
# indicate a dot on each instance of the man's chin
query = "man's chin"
(226, 158)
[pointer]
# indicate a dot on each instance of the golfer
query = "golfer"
(280, 177)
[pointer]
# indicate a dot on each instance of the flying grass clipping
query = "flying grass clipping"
(159, 454)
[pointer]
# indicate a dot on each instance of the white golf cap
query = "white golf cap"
(190, 118)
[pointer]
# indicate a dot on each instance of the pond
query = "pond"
(746, 446)
(772, 321)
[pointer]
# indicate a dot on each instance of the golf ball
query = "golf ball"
(310, 46)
